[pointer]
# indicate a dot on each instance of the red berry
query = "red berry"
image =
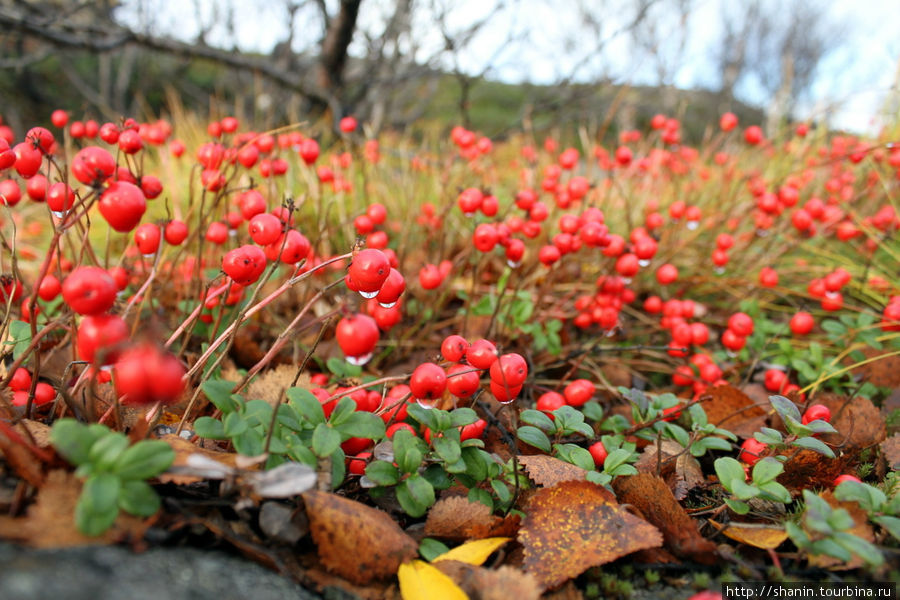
(89, 290)
(428, 382)
(93, 165)
(598, 453)
(291, 250)
(504, 393)
(802, 323)
(751, 450)
(357, 336)
(775, 380)
(454, 347)
(481, 354)
(21, 380)
(145, 374)
(176, 232)
(666, 274)
(60, 197)
(579, 392)
(147, 238)
(357, 464)
(816, 412)
(392, 288)
(741, 324)
(369, 269)
(509, 370)
(217, 233)
(397, 427)
(733, 341)
(845, 477)
(550, 401)
(122, 205)
(245, 264)
(462, 380)
(99, 337)
(50, 288)
(473, 430)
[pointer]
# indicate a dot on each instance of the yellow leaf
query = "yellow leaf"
(474, 552)
(767, 538)
(421, 581)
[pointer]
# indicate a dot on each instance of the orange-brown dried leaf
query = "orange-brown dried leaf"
(20, 458)
(858, 422)
(491, 584)
(311, 574)
(890, 449)
(455, 518)
(653, 498)
(884, 372)
(809, 469)
(357, 542)
(765, 537)
(576, 525)
(680, 470)
(861, 528)
(732, 409)
(548, 471)
(50, 521)
(38, 432)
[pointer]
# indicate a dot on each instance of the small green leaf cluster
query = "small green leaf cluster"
(706, 436)
(414, 469)
(762, 482)
(800, 435)
(300, 431)
(115, 472)
(825, 530)
(882, 510)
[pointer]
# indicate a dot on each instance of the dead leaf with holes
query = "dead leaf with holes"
(576, 525)
(547, 471)
(653, 498)
(890, 449)
(355, 541)
(858, 422)
(50, 521)
(680, 470)
(762, 536)
(732, 409)
(491, 584)
(456, 518)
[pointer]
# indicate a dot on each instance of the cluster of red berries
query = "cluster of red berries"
(469, 143)
(752, 449)
(699, 373)
(778, 382)
(603, 308)
(21, 383)
(740, 325)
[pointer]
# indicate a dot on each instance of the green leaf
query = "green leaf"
(728, 470)
(860, 547)
(713, 443)
(106, 451)
(833, 327)
(811, 443)
(598, 478)
(325, 440)
(346, 406)
(766, 469)
(219, 393)
(698, 415)
(249, 443)
(890, 524)
(147, 458)
(438, 477)
(477, 461)
(422, 415)
(382, 473)
(743, 490)
(677, 433)
(768, 436)
(288, 417)
(772, 490)
(207, 427)
(537, 418)
(581, 458)
(235, 424)
(257, 413)
(362, 424)
(430, 549)
(305, 403)
(820, 426)
(93, 523)
(868, 497)
(407, 453)
(342, 369)
(616, 458)
(831, 548)
(460, 417)
(20, 333)
(101, 492)
(584, 429)
(448, 449)
(415, 495)
(740, 508)
(785, 407)
(73, 440)
(480, 495)
(501, 490)
(593, 411)
(338, 468)
(533, 437)
(138, 498)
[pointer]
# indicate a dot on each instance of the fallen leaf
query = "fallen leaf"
(491, 584)
(50, 521)
(183, 450)
(548, 471)
(809, 469)
(456, 518)
(40, 433)
(355, 541)
(678, 468)
(732, 409)
(421, 581)
(20, 458)
(269, 384)
(884, 372)
(861, 528)
(474, 552)
(310, 573)
(858, 422)
(576, 525)
(653, 498)
(766, 537)
(890, 449)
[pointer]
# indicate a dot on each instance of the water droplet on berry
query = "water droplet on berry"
(359, 360)
(510, 401)
(60, 214)
(514, 265)
(368, 295)
(149, 257)
(426, 403)
(643, 262)
(387, 304)
(719, 270)
(692, 225)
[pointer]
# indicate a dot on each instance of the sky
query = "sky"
(550, 37)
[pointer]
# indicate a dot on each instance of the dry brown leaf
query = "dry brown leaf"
(355, 541)
(861, 528)
(22, 460)
(455, 518)
(548, 471)
(732, 409)
(50, 521)
(40, 433)
(269, 384)
(884, 372)
(809, 469)
(858, 422)
(183, 449)
(312, 575)
(752, 534)
(491, 584)
(890, 449)
(653, 498)
(576, 525)
(679, 470)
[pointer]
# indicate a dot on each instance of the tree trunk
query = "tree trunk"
(334, 47)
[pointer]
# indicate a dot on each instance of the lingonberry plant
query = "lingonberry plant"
(411, 324)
